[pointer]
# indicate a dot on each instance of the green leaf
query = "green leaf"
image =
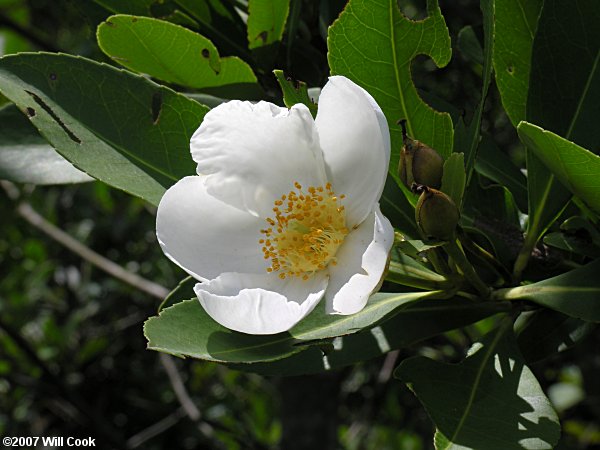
(545, 332)
(467, 137)
(575, 293)
(418, 321)
(562, 99)
(266, 21)
(186, 330)
(497, 166)
(397, 209)
(490, 401)
(170, 53)
(575, 167)
(515, 25)
(454, 177)
(469, 45)
(25, 157)
(118, 127)
(373, 44)
(295, 92)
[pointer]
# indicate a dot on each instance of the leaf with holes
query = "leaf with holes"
(373, 44)
(266, 21)
(491, 400)
(25, 157)
(116, 126)
(467, 137)
(295, 92)
(170, 53)
(515, 24)
(185, 329)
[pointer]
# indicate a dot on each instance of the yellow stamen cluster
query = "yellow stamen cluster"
(306, 231)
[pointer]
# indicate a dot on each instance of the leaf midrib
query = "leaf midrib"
(475, 385)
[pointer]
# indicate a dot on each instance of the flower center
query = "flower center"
(306, 232)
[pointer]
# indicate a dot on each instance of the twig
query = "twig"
(25, 210)
(156, 429)
(385, 373)
(182, 395)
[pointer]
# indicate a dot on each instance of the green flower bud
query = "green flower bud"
(419, 163)
(436, 213)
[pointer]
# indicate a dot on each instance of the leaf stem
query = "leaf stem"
(459, 258)
(524, 255)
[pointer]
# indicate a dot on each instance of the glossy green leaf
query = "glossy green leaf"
(467, 137)
(186, 330)
(497, 166)
(543, 333)
(562, 98)
(575, 167)
(515, 24)
(266, 21)
(25, 157)
(418, 321)
(373, 44)
(454, 177)
(575, 293)
(490, 401)
(295, 92)
(170, 53)
(118, 127)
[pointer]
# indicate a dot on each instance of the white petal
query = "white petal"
(205, 236)
(356, 145)
(260, 304)
(253, 153)
(361, 262)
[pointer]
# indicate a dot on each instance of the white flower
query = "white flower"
(284, 210)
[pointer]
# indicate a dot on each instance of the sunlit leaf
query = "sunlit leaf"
(25, 157)
(170, 53)
(186, 330)
(374, 44)
(418, 321)
(491, 400)
(295, 92)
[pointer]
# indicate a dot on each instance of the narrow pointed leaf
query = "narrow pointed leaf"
(575, 293)
(491, 400)
(374, 44)
(116, 126)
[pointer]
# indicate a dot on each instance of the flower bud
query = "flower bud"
(436, 213)
(419, 163)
